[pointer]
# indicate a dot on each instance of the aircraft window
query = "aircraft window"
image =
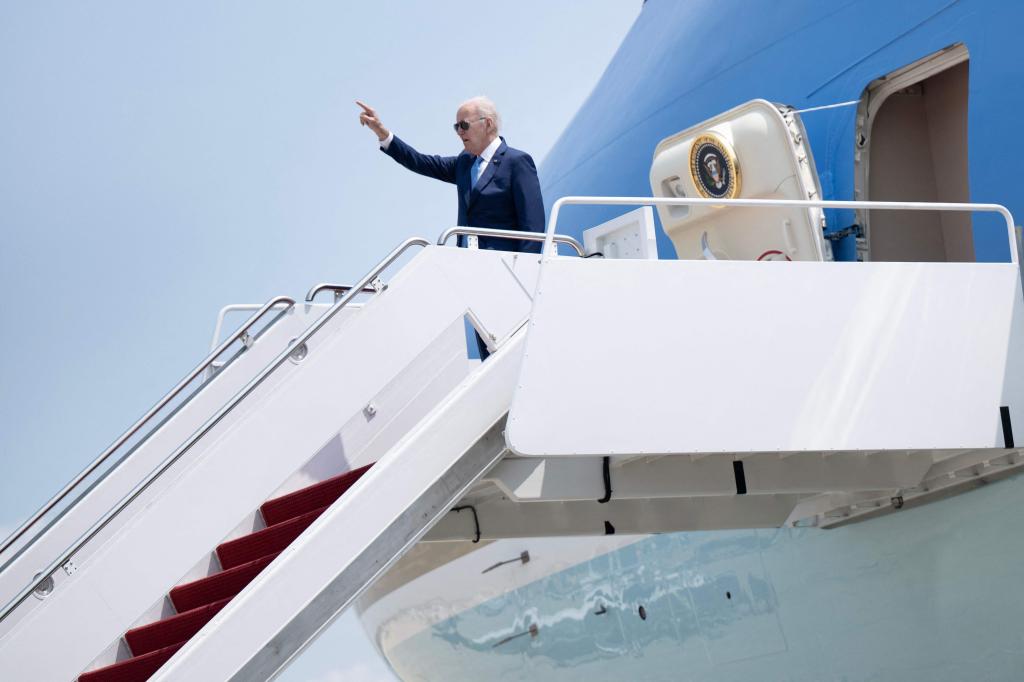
(912, 146)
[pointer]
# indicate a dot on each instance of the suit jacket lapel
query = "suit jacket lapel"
(465, 182)
(492, 168)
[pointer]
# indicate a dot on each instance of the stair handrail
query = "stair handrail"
(287, 301)
(508, 234)
(141, 487)
(549, 233)
(338, 289)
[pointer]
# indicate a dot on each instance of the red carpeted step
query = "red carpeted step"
(263, 542)
(314, 497)
(171, 630)
(218, 586)
(242, 560)
(135, 669)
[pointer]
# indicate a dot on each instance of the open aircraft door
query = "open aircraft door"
(757, 150)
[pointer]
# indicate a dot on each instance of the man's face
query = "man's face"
(479, 135)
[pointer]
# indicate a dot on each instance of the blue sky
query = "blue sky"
(159, 161)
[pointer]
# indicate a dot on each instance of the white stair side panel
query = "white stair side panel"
(362, 534)
(629, 357)
(400, 404)
(245, 458)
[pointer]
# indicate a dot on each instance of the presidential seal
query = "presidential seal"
(713, 167)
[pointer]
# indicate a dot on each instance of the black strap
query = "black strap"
(476, 519)
(740, 476)
(607, 472)
(1004, 415)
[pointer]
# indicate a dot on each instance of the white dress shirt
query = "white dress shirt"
(486, 154)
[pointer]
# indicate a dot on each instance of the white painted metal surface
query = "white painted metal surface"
(758, 358)
(397, 407)
(273, 431)
(772, 162)
(631, 235)
(360, 536)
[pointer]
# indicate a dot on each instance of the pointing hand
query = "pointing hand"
(369, 118)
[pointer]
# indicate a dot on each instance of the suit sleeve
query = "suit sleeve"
(528, 200)
(437, 167)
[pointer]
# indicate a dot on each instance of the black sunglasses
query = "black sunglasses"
(464, 125)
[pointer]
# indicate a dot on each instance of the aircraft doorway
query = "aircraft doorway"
(912, 146)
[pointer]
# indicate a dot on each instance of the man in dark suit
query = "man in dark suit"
(497, 185)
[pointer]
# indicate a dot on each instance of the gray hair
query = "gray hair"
(485, 108)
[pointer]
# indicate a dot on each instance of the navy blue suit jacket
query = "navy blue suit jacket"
(507, 195)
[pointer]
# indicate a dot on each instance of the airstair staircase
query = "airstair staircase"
(219, 543)
(309, 396)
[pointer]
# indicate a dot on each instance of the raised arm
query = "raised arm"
(433, 166)
(368, 118)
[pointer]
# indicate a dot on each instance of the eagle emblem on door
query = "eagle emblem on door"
(713, 167)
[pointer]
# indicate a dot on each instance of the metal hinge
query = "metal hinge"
(844, 233)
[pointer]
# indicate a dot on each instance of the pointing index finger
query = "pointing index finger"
(367, 108)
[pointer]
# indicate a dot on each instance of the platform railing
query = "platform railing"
(508, 234)
(43, 576)
(224, 312)
(242, 333)
(549, 233)
(512, 235)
